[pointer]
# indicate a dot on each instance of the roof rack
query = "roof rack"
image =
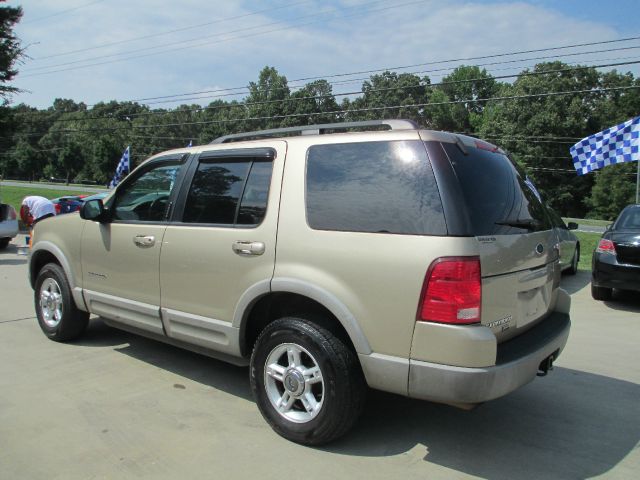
(318, 129)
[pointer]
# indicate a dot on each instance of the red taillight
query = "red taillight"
(452, 291)
(606, 246)
(12, 213)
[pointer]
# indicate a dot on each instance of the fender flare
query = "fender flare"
(53, 249)
(305, 289)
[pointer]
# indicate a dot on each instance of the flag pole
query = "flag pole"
(638, 182)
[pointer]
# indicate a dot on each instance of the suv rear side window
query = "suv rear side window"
(382, 187)
(497, 196)
(229, 193)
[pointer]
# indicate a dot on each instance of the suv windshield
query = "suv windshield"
(500, 199)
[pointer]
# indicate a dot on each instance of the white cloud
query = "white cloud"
(314, 46)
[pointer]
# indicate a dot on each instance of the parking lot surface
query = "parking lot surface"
(114, 405)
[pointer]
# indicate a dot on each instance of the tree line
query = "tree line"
(536, 118)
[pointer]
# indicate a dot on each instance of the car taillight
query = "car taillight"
(12, 213)
(452, 291)
(606, 246)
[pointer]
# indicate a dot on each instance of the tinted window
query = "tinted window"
(254, 201)
(385, 187)
(498, 198)
(147, 197)
(629, 219)
(229, 193)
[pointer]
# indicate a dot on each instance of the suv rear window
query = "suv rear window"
(500, 199)
(381, 187)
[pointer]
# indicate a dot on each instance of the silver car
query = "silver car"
(568, 243)
(8, 224)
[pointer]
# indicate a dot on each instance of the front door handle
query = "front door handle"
(247, 249)
(144, 241)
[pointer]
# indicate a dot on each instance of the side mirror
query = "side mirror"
(94, 210)
(572, 226)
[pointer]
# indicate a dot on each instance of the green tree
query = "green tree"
(71, 159)
(268, 98)
(614, 189)
(390, 89)
(10, 50)
(538, 129)
(465, 85)
(28, 159)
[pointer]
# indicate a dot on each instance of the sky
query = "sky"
(100, 50)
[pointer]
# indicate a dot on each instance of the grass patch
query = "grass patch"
(588, 243)
(14, 195)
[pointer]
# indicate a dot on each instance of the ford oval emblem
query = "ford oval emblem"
(539, 249)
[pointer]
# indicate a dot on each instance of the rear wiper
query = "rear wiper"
(526, 223)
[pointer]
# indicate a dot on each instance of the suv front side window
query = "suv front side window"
(146, 198)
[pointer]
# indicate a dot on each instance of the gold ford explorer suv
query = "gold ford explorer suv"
(329, 258)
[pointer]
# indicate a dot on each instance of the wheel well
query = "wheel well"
(277, 305)
(39, 260)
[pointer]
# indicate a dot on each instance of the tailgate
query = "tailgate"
(520, 279)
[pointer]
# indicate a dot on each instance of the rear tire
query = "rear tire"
(307, 383)
(573, 269)
(4, 242)
(601, 293)
(58, 316)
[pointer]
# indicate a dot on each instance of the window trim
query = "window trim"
(253, 155)
(179, 159)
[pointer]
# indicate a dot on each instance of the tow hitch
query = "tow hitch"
(546, 365)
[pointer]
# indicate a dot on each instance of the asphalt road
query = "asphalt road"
(117, 406)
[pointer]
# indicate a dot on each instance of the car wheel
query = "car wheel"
(573, 269)
(601, 293)
(4, 242)
(58, 316)
(307, 383)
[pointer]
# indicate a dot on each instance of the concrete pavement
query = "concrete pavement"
(114, 405)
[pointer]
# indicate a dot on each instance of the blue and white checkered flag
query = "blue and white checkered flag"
(122, 170)
(617, 144)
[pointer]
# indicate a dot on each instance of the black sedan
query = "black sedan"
(616, 260)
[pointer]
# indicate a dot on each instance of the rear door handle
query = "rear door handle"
(144, 241)
(247, 249)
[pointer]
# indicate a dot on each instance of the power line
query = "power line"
(62, 12)
(168, 32)
(372, 109)
(313, 16)
(482, 57)
(332, 95)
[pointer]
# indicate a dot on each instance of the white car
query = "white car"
(8, 224)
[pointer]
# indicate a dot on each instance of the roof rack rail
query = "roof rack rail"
(318, 129)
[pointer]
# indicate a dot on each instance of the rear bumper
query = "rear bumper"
(8, 228)
(608, 273)
(518, 362)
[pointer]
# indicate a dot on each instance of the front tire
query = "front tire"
(307, 383)
(4, 242)
(58, 316)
